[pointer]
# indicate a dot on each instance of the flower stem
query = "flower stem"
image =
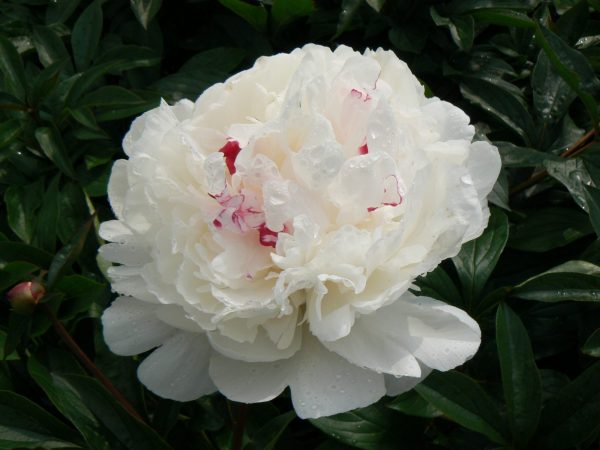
(577, 148)
(88, 363)
(239, 425)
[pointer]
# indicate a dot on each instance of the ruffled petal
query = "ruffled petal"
(131, 327)
(178, 370)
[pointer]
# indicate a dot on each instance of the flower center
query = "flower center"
(241, 212)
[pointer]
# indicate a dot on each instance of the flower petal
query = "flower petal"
(439, 335)
(246, 382)
(323, 383)
(179, 369)
(131, 327)
(398, 385)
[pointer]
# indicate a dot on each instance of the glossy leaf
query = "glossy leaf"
(592, 200)
(572, 415)
(23, 424)
(68, 254)
(49, 46)
(22, 203)
(267, 436)
(11, 66)
(465, 402)
(52, 145)
(86, 35)
(284, 12)
(477, 258)
(413, 404)
(592, 344)
(556, 287)
(145, 10)
(10, 130)
(549, 228)
(521, 382)
(370, 428)
(253, 14)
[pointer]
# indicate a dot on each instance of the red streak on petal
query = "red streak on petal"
(363, 149)
(230, 150)
(217, 223)
(268, 237)
(372, 208)
(356, 93)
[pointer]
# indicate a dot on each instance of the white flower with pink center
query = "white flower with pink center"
(266, 235)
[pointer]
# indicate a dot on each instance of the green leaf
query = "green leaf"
(505, 17)
(61, 10)
(22, 203)
(477, 258)
(572, 24)
(549, 228)
(18, 251)
(53, 147)
(370, 428)
(45, 235)
(572, 66)
(126, 57)
(348, 12)
(466, 6)
(437, 284)
(49, 46)
(86, 35)
(514, 156)
(145, 10)
(111, 96)
(11, 66)
(15, 272)
(267, 436)
(23, 424)
(85, 402)
(500, 103)
(557, 287)
(218, 60)
(253, 14)
(521, 381)
(413, 404)
(284, 11)
(592, 344)
(10, 130)
(592, 199)
(463, 401)
(81, 293)
(67, 255)
(572, 415)
(552, 96)
(462, 28)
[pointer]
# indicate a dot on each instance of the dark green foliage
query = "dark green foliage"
(74, 73)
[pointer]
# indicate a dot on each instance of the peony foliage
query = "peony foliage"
(304, 224)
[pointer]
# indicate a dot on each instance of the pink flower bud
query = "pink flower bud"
(25, 296)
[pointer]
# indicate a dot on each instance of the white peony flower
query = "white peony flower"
(267, 234)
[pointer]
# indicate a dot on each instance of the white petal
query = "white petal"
(323, 383)
(179, 369)
(439, 335)
(376, 342)
(484, 166)
(118, 186)
(261, 349)
(398, 385)
(131, 327)
(249, 382)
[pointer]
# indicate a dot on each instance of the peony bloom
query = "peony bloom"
(267, 234)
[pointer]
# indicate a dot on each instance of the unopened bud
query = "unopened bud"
(25, 296)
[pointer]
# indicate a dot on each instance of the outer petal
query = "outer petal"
(398, 385)
(250, 382)
(179, 369)
(439, 335)
(391, 339)
(484, 166)
(131, 327)
(323, 383)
